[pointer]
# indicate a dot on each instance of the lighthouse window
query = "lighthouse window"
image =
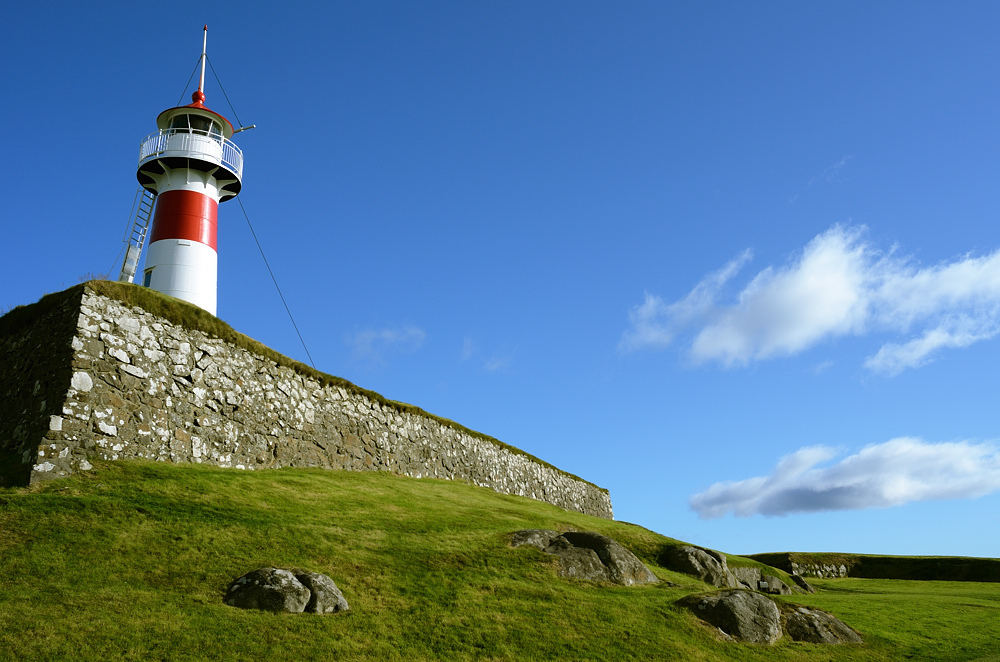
(146, 277)
(200, 124)
(179, 123)
(196, 124)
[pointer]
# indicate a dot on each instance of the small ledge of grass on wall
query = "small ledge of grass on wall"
(191, 317)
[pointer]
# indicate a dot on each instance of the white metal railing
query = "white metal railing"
(193, 143)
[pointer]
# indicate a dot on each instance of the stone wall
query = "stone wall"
(141, 387)
(868, 566)
(822, 570)
(35, 370)
(838, 565)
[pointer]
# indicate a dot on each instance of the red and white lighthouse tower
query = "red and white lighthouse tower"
(190, 165)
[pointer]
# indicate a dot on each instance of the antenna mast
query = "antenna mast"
(204, 46)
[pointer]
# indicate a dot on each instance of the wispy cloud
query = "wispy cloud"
(497, 363)
(656, 323)
(469, 348)
(893, 358)
(492, 363)
(893, 473)
(830, 174)
(822, 367)
(375, 344)
(838, 285)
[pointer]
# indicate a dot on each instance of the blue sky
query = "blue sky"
(736, 262)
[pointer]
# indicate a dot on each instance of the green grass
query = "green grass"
(130, 562)
(924, 620)
(192, 317)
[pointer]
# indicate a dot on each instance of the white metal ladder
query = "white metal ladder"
(136, 236)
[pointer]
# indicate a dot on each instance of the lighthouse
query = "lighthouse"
(190, 165)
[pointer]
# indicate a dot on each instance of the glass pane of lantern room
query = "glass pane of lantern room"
(179, 123)
(200, 124)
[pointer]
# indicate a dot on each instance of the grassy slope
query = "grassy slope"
(131, 561)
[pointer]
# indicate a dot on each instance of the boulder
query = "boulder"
(587, 555)
(270, 589)
(818, 627)
(325, 597)
(279, 589)
(577, 562)
(622, 565)
(742, 615)
(708, 566)
(773, 585)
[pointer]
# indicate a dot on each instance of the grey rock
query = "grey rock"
(538, 538)
(818, 627)
(803, 584)
(743, 615)
(754, 579)
(710, 567)
(326, 598)
(747, 577)
(622, 565)
(774, 585)
(269, 589)
(577, 562)
(718, 556)
(587, 555)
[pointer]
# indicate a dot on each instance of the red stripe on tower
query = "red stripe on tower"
(186, 215)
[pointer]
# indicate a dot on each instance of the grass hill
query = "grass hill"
(130, 562)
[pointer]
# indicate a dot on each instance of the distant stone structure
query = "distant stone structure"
(821, 570)
(873, 566)
(92, 377)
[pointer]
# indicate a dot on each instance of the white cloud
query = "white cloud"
(655, 323)
(893, 358)
(838, 285)
(906, 295)
(784, 311)
(899, 471)
(373, 344)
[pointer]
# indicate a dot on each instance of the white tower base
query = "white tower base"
(184, 269)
